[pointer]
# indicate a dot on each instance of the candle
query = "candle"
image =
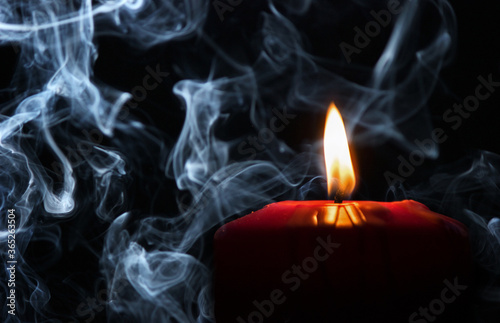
(341, 261)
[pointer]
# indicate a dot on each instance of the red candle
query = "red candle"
(353, 261)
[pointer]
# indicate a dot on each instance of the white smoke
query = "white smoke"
(158, 266)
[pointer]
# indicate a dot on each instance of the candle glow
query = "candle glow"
(381, 257)
(339, 169)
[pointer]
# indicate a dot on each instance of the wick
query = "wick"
(339, 196)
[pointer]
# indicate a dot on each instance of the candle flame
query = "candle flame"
(339, 169)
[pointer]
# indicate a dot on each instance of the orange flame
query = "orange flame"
(340, 172)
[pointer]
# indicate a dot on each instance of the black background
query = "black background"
(71, 270)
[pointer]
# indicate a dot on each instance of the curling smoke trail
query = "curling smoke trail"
(54, 91)
(157, 266)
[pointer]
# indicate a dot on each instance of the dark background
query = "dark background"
(71, 269)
